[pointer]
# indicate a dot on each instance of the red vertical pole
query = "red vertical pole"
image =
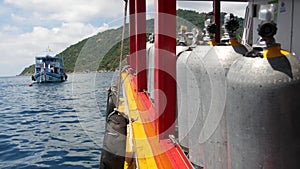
(140, 27)
(132, 38)
(217, 15)
(165, 66)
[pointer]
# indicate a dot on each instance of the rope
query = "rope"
(121, 55)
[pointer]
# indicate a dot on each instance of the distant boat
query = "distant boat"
(49, 69)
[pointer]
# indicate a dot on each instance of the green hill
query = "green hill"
(102, 51)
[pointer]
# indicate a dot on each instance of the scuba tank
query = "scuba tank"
(208, 141)
(262, 105)
(186, 83)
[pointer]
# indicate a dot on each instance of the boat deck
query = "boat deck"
(144, 147)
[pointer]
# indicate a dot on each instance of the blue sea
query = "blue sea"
(57, 125)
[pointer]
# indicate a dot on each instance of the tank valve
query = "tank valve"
(267, 29)
(182, 36)
(212, 28)
(231, 25)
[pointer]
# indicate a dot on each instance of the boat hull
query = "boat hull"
(49, 77)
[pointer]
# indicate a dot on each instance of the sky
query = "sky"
(29, 27)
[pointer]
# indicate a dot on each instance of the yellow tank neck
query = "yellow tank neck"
(234, 42)
(212, 43)
(275, 51)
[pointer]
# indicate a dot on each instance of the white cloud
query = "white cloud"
(60, 23)
(197, 6)
(237, 8)
(30, 26)
(150, 3)
(17, 18)
(18, 51)
(70, 10)
(9, 28)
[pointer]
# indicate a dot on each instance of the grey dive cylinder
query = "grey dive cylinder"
(150, 58)
(208, 133)
(207, 96)
(182, 53)
(186, 83)
(150, 68)
(195, 76)
(262, 107)
(182, 104)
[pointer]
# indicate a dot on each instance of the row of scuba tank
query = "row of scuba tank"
(239, 108)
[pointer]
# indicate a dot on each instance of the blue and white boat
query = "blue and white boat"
(49, 69)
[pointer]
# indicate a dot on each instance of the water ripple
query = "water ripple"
(52, 125)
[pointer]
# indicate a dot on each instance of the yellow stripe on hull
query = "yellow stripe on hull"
(141, 147)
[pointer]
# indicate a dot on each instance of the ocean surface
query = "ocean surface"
(57, 125)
